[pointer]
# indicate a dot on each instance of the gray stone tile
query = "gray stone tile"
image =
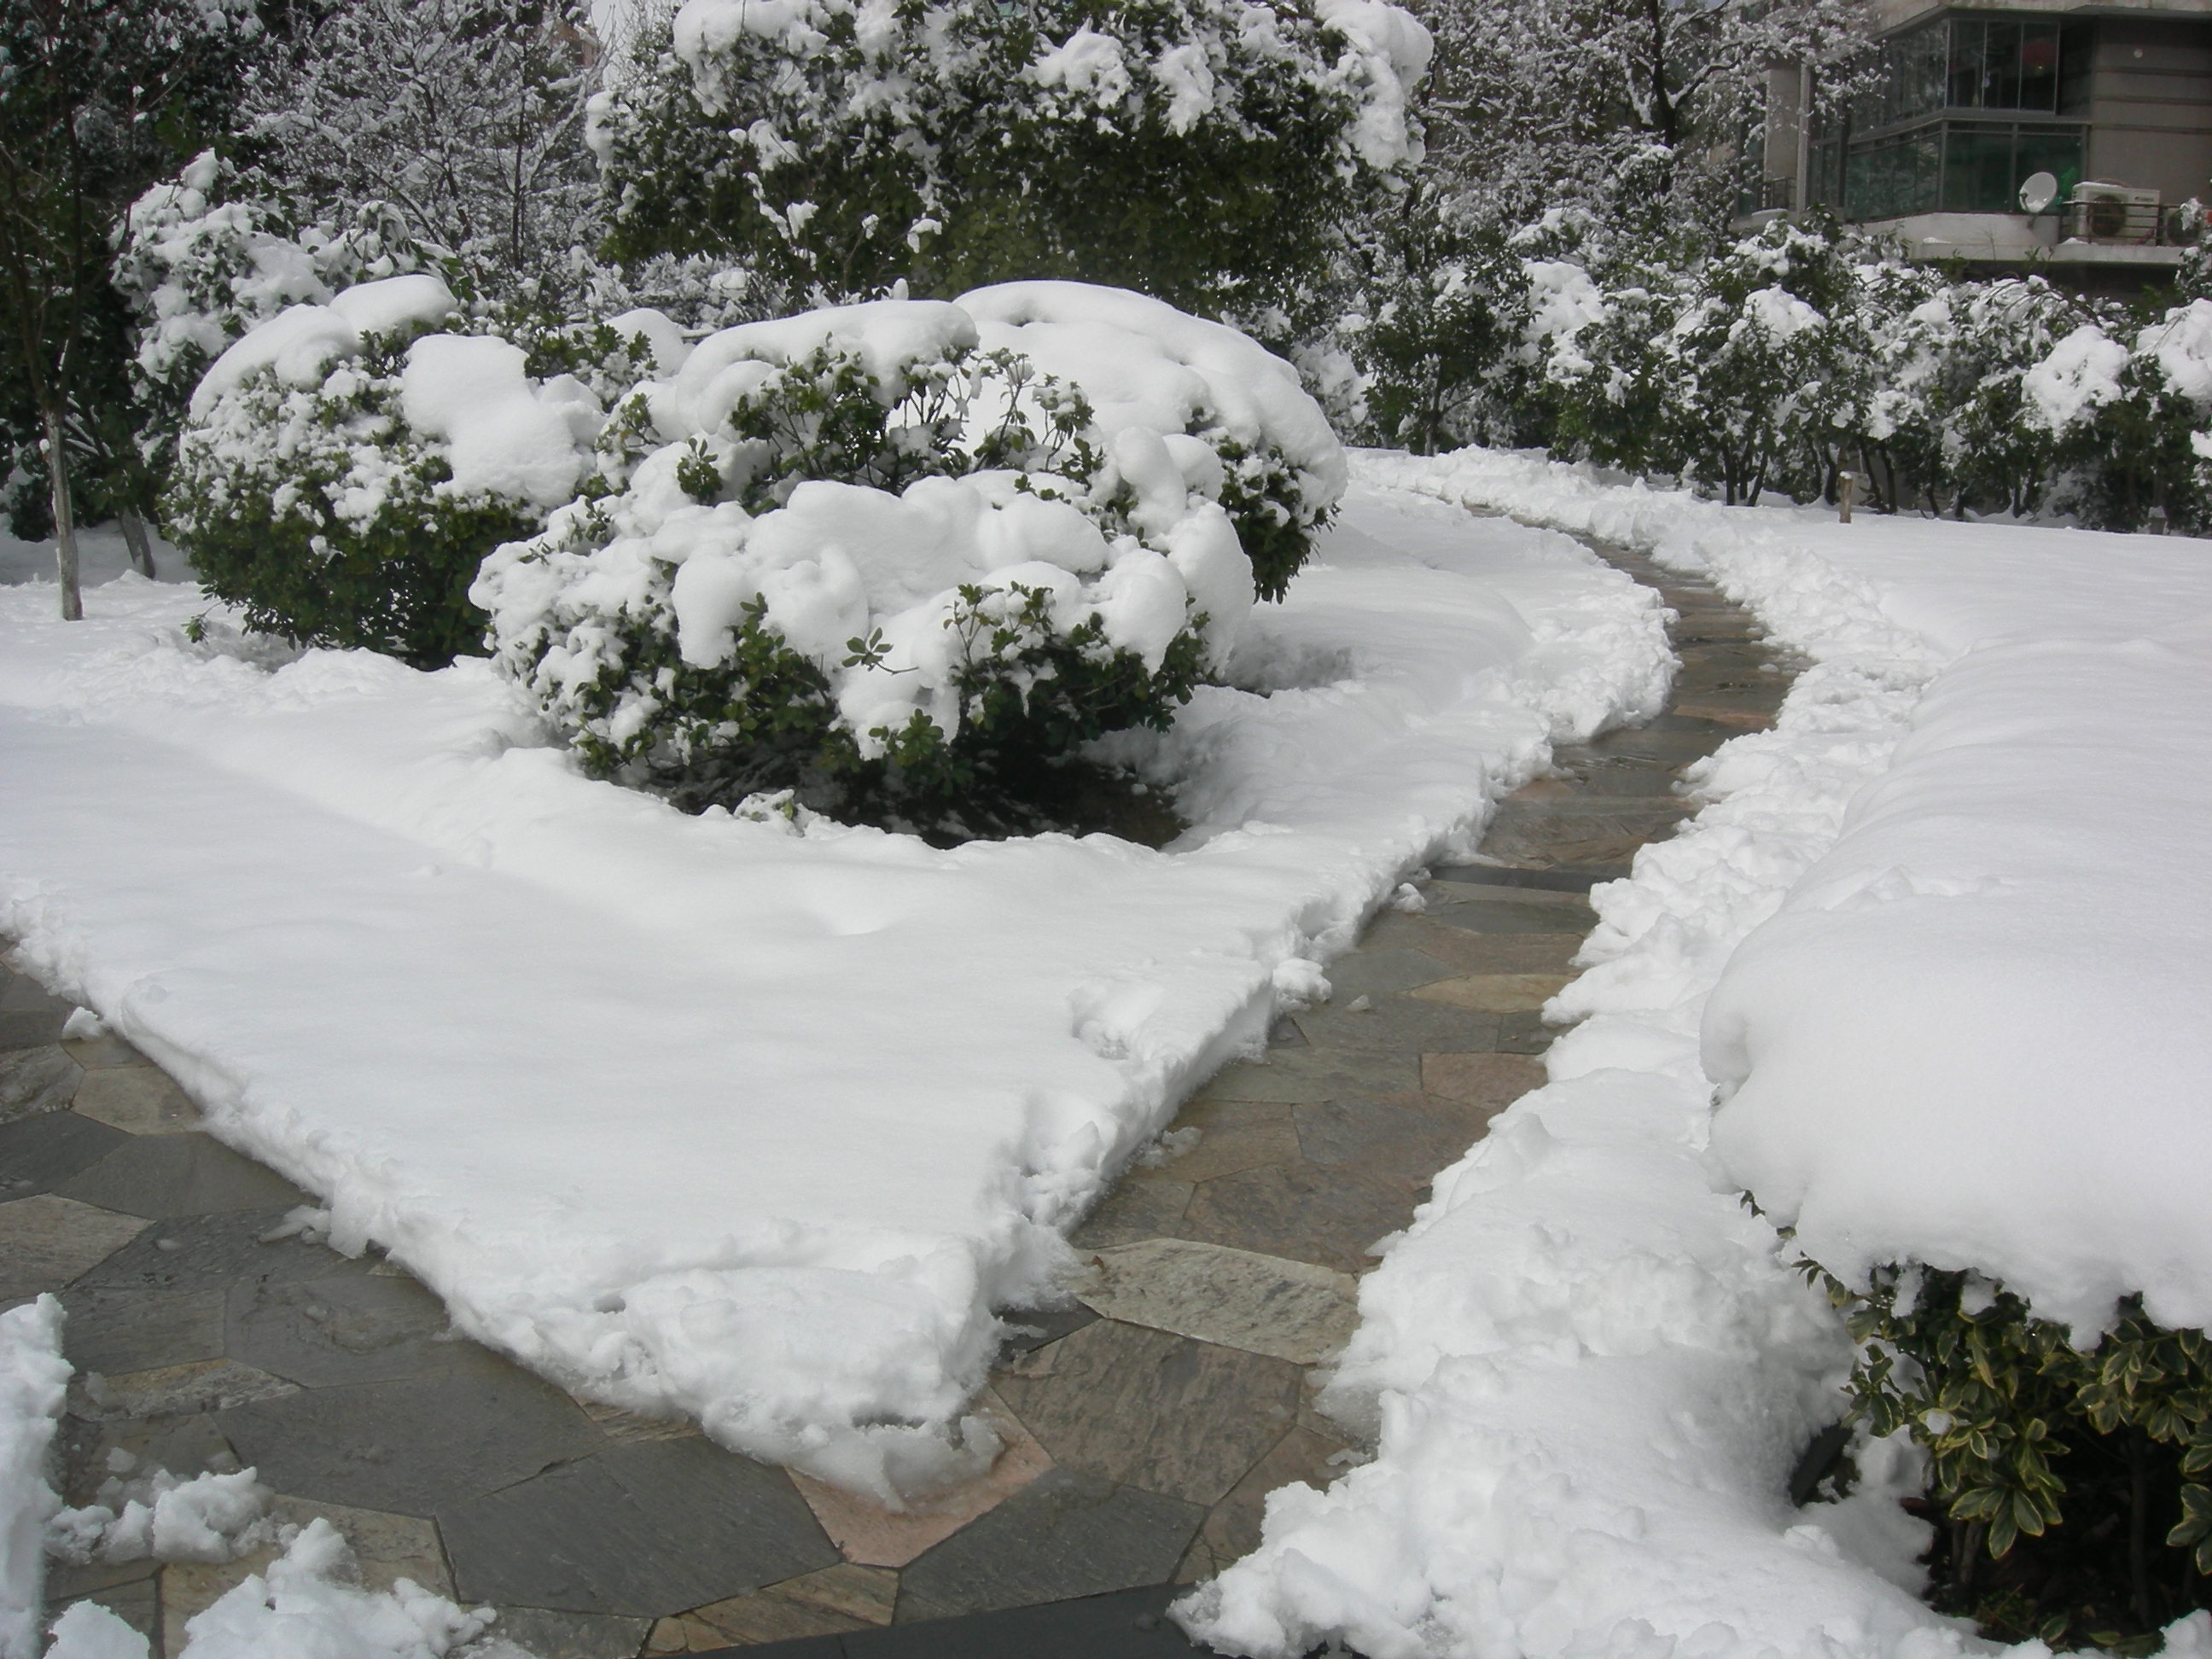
(186, 1446)
(99, 1053)
(140, 1331)
(21, 993)
(1524, 1034)
(36, 1080)
(352, 1327)
(1030, 1329)
(213, 1251)
(1232, 1298)
(1508, 877)
(1488, 1081)
(38, 1154)
(1069, 1532)
(1308, 1212)
(1496, 993)
(48, 1241)
(1143, 1204)
(1378, 973)
(839, 1598)
(32, 1027)
(544, 1634)
(1506, 916)
(1400, 1027)
(1303, 1074)
(178, 1174)
(207, 1385)
(413, 1447)
(1150, 1409)
(1399, 1140)
(641, 1530)
(1226, 1148)
(1482, 953)
(136, 1098)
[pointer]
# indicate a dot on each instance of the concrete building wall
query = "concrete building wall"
(2151, 105)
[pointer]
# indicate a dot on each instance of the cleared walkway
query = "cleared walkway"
(1144, 1427)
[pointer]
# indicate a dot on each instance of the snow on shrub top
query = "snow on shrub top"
(893, 562)
(884, 336)
(1143, 364)
(301, 342)
(2081, 374)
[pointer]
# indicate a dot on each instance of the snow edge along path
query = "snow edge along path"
(1589, 1367)
(743, 1120)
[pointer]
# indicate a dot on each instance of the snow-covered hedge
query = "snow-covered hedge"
(343, 469)
(901, 555)
(1195, 149)
(1780, 359)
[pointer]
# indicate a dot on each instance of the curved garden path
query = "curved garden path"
(1146, 1427)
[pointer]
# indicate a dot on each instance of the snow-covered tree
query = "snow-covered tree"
(468, 115)
(97, 98)
(1202, 150)
(1637, 109)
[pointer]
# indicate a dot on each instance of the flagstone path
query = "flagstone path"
(1144, 1426)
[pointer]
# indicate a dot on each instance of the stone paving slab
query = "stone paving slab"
(1263, 1304)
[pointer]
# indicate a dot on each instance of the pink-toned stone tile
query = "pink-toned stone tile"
(873, 1537)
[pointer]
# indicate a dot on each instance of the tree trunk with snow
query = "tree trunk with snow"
(136, 538)
(64, 521)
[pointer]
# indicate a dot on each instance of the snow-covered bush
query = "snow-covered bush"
(343, 469)
(1741, 371)
(903, 556)
(2060, 1470)
(1202, 150)
(2129, 409)
(201, 259)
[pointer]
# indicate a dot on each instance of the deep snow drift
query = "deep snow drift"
(718, 1116)
(1939, 940)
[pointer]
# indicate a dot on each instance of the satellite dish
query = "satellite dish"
(2040, 191)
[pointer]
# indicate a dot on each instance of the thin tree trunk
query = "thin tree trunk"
(64, 521)
(135, 538)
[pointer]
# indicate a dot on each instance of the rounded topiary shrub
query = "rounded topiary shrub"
(877, 554)
(343, 470)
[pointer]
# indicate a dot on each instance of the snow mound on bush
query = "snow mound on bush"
(1146, 366)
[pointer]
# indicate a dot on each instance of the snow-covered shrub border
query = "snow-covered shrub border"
(888, 553)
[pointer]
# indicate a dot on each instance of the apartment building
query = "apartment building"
(2113, 101)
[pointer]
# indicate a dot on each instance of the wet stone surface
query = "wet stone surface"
(1144, 1425)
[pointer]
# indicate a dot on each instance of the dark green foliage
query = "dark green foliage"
(979, 171)
(2073, 1484)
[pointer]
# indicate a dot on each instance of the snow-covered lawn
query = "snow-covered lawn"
(1943, 941)
(734, 1118)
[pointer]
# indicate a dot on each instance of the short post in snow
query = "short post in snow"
(1847, 487)
(2156, 526)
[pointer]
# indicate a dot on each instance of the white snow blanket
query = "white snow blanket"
(1940, 941)
(732, 1118)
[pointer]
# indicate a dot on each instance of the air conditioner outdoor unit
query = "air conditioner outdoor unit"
(2114, 213)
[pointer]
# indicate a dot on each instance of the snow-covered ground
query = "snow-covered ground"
(1941, 942)
(725, 1117)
